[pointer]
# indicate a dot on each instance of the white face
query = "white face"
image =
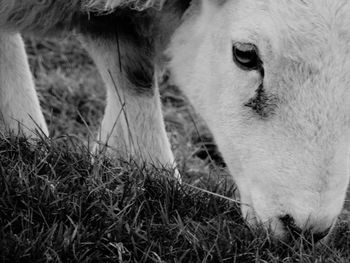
(272, 81)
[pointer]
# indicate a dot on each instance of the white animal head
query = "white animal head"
(272, 80)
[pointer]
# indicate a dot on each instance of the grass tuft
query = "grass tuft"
(58, 206)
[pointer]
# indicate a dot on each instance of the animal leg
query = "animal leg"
(133, 124)
(19, 105)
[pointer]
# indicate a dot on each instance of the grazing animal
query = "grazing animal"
(270, 78)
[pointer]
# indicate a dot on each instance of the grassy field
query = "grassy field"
(57, 206)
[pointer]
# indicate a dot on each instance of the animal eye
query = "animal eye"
(246, 56)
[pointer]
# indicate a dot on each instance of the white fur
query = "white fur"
(105, 5)
(133, 124)
(294, 162)
(42, 16)
(19, 104)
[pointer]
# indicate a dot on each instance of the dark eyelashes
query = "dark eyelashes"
(246, 56)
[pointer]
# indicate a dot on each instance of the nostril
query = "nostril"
(289, 224)
(287, 220)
